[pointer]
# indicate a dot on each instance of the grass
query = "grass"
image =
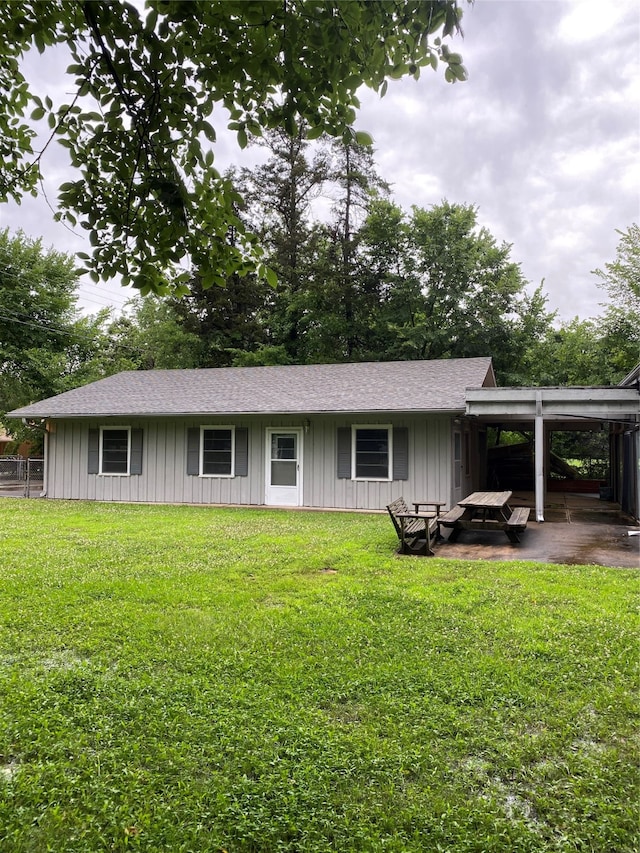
(194, 679)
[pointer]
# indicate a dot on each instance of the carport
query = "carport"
(616, 409)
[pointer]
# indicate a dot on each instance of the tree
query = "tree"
(619, 344)
(448, 289)
(226, 321)
(45, 347)
(149, 335)
(570, 355)
(278, 196)
(597, 351)
(621, 279)
(138, 127)
(619, 328)
(340, 306)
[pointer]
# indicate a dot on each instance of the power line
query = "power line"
(13, 316)
(106, 304)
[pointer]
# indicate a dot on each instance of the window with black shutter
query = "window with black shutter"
(115, 450)
(371, 452)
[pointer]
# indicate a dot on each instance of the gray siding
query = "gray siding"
(164, 464)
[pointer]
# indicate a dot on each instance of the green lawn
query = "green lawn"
(195, 679)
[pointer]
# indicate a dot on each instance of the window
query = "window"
(217, 451)
(115, 450)
(372, 452)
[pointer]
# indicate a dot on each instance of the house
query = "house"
(9, 447)
(348, 436)
(339, 435)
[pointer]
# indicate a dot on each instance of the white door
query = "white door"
(284, 467)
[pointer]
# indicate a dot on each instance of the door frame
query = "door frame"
(456, 463)
(298, 432)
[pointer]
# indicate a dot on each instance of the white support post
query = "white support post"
(539, 458)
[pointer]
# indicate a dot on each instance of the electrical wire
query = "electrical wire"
(74, 336)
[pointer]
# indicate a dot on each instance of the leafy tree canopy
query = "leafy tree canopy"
(621, 278)
(45, 346)
(139, 127)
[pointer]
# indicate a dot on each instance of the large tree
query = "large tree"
(339, 304)
(46, 347)
(278, 198)
(621, 278)
(138, 124)
(448, 289)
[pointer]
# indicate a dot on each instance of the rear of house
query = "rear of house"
(350, 436)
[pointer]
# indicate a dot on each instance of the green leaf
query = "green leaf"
(208, 131)
(460, 72)
(398, 71)
(364, 138)
(272, 277)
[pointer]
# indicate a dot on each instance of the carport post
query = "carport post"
(539, 458)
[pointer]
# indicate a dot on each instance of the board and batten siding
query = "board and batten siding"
(164, 477)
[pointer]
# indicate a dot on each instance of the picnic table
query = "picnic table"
(487, 511)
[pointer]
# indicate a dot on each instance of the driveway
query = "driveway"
(16, 489)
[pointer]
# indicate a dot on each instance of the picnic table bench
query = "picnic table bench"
(417, 531)
(488, 511)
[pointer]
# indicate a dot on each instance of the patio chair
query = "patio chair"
(417, 531)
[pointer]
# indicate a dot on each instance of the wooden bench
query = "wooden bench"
(416, 531)
(460, 518)
(519, 517)
(517, 522)
(451, 518)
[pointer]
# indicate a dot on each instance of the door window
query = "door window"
(284, 459)
(457, 460)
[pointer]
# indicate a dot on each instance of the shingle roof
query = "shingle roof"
(395, 386)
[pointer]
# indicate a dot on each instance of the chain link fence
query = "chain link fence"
(20, 477)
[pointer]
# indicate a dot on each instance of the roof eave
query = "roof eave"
(459, 410)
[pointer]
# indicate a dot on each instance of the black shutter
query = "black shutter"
(136, 452)
(93, 465)
(193, 451)
(242, 452)
(344, 453)
(400, 453)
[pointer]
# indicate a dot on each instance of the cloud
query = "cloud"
(544, 137)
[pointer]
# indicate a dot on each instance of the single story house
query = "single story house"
(349, 436)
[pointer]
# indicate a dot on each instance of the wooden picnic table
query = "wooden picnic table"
(487, 511)
(436, 504)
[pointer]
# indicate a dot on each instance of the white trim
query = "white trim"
(233, 452)
(539, 455)
(126, 473)
(389, 429)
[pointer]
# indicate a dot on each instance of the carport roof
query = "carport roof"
(554, 404)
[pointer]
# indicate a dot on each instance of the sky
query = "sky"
(543, 138)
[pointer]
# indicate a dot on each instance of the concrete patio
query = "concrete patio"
(578, 530)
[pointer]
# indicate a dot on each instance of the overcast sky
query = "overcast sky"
(544, 138)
